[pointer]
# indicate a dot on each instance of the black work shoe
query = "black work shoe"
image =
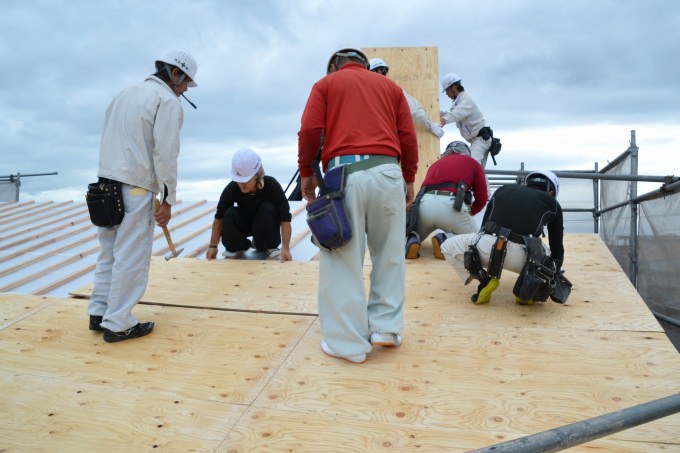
(95, 321)
(137, 331)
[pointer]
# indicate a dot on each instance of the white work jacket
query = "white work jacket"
(140, 142)
(466, 115)
(418, 112)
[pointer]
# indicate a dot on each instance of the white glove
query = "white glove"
(437, 130)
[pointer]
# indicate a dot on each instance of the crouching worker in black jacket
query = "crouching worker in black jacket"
(252, 205)
(510, 238)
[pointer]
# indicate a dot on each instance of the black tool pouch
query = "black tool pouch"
(473, 264)
(461, 191)
(562, 289)
(486, 133)
(495, 148)
(537, 279)
(105, 202)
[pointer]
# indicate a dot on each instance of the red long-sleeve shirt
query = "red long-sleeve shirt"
(358, 112)
(455, 168)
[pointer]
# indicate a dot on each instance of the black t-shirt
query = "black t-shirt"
(525, 210)
(272, 192)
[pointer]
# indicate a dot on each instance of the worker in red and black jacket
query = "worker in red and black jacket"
(435, 206)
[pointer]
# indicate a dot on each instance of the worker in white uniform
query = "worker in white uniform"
(467, 117)
(139, 148)
(418, 113)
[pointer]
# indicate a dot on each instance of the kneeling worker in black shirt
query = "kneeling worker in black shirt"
(510, 238)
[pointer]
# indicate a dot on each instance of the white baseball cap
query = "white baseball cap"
(244, 165)
(448, 80)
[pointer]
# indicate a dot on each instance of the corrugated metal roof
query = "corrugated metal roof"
(49, 248)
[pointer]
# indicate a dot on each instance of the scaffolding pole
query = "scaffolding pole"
(584, 431)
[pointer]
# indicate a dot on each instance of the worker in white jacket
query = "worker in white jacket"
(468, 118)
(417, 111)
(138, 150)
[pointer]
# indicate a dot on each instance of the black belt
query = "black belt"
(493, 228)
(441, 192)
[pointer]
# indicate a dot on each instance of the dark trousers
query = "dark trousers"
(264, 227)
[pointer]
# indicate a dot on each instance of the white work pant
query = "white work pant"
(436, 211)
(375, 200)
(122, 271)
(454, 248)
(479, 150)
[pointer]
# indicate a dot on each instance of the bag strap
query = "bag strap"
(316, 166)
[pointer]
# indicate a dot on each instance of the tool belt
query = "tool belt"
(105, 202)
(495, 229)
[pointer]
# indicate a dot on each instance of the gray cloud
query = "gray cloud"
(528, 64)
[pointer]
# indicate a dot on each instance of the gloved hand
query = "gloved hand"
(437, 130)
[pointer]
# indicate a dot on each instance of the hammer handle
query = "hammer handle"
(167, 238)
(156, 205)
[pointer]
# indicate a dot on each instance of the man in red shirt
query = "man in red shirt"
(366, 124)
(435, 206)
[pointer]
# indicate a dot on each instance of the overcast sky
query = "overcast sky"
(561, 83)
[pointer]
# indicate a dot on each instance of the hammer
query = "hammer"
(173, 253)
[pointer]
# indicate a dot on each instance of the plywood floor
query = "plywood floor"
(234, 365)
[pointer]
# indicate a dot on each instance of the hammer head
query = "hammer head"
(171, 255)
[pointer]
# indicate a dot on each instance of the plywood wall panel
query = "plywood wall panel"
(415, 69)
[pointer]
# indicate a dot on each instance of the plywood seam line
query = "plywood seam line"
(283, 362)
(27, 314)
(226, 309)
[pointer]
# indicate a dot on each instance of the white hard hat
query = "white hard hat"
(543, 179)
(457, 147)
(448, 80)
(377, 63)
(184, 61)
(244, 165)
(349, 52)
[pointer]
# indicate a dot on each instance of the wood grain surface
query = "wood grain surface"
(234, 365)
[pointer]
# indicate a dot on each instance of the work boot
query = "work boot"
(139, 330)
(412, 247)
(437, 241)
(523, 302)
(95, 322)
(483, 296)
